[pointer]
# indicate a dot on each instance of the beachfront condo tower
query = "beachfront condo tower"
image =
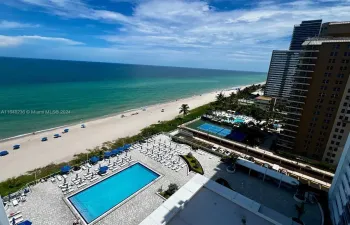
(307, 29)
(317, 117)
(284, 62)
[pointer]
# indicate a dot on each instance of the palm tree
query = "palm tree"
(220, 100)
(184, 109)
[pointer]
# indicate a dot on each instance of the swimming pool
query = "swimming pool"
(104, 196)
(238, 120)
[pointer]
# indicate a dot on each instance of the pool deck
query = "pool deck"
(45, 204)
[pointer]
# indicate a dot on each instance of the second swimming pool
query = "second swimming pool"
(98, 199)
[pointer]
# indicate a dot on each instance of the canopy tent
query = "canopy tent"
(94, 159)
(120, 149)
(103, 169)
(65, 169)
(3, 153)
(26, 222)
(107, 154)
(16, 146)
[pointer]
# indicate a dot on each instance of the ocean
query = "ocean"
(38, 94)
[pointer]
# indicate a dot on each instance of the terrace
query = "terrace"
(44, 205)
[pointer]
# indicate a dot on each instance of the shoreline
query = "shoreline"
(120, 113)
(36, 154)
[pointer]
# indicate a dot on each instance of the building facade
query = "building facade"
(339, 193)
(281, 71)
(3, 216)
(307, 29)
(284, 62)
(319, 101)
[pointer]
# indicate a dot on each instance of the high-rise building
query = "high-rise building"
(3, 216)
(284, 62)
(339, 193)
(307, 29)
(281, 71)
(335, 29)
(317, 120)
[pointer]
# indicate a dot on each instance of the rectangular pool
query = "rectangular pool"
(98, 199)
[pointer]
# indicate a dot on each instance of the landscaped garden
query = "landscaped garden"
(193, 163)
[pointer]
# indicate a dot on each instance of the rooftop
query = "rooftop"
(265, 98)
(202, 201)
(320, 41)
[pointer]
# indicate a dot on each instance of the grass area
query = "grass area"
(14, 184)
(193, 163)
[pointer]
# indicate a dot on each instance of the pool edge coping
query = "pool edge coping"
(77, 214)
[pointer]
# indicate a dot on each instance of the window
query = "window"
(328, 154)
(339, 123)
(332, 142)
(326, 159)
(331, 161)
(333, 155)
(336, 129)
(337, 143)
(334, 136)
(341, 131)
(342, 111)
(339, 137)
(340, 117)
(345, 104)
(330, 148)
(344, 124)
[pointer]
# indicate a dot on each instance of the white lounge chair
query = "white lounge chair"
(15, 202)
(59, 177)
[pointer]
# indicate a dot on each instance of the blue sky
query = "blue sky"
(223, 34)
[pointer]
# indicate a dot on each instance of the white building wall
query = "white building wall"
(339, 193)
(3, 216)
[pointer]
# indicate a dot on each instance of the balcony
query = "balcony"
(288, 134)
(290, 129)
(284, 145)
(300, 100)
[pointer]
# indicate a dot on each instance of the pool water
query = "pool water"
(96, 200)
(238, 121)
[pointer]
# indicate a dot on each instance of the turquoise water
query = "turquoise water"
(101, 197)
(238, 120)
(51, 93)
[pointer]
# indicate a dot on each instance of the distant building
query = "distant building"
(307, 29)
(281, 71)
(335, 29)
(318, 114)
(265, 103)
(339, 193)
(284, 62)
(3, 216)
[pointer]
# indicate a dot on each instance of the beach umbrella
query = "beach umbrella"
(16, 146)
(103, 169)
(94, 159)
(65, 130)
(65, 169)
(27, 222)
(107, 155)
(3, 153)
(44, 139)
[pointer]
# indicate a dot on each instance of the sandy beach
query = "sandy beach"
(34, 153)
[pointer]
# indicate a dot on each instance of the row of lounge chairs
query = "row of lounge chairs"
(15, 218)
